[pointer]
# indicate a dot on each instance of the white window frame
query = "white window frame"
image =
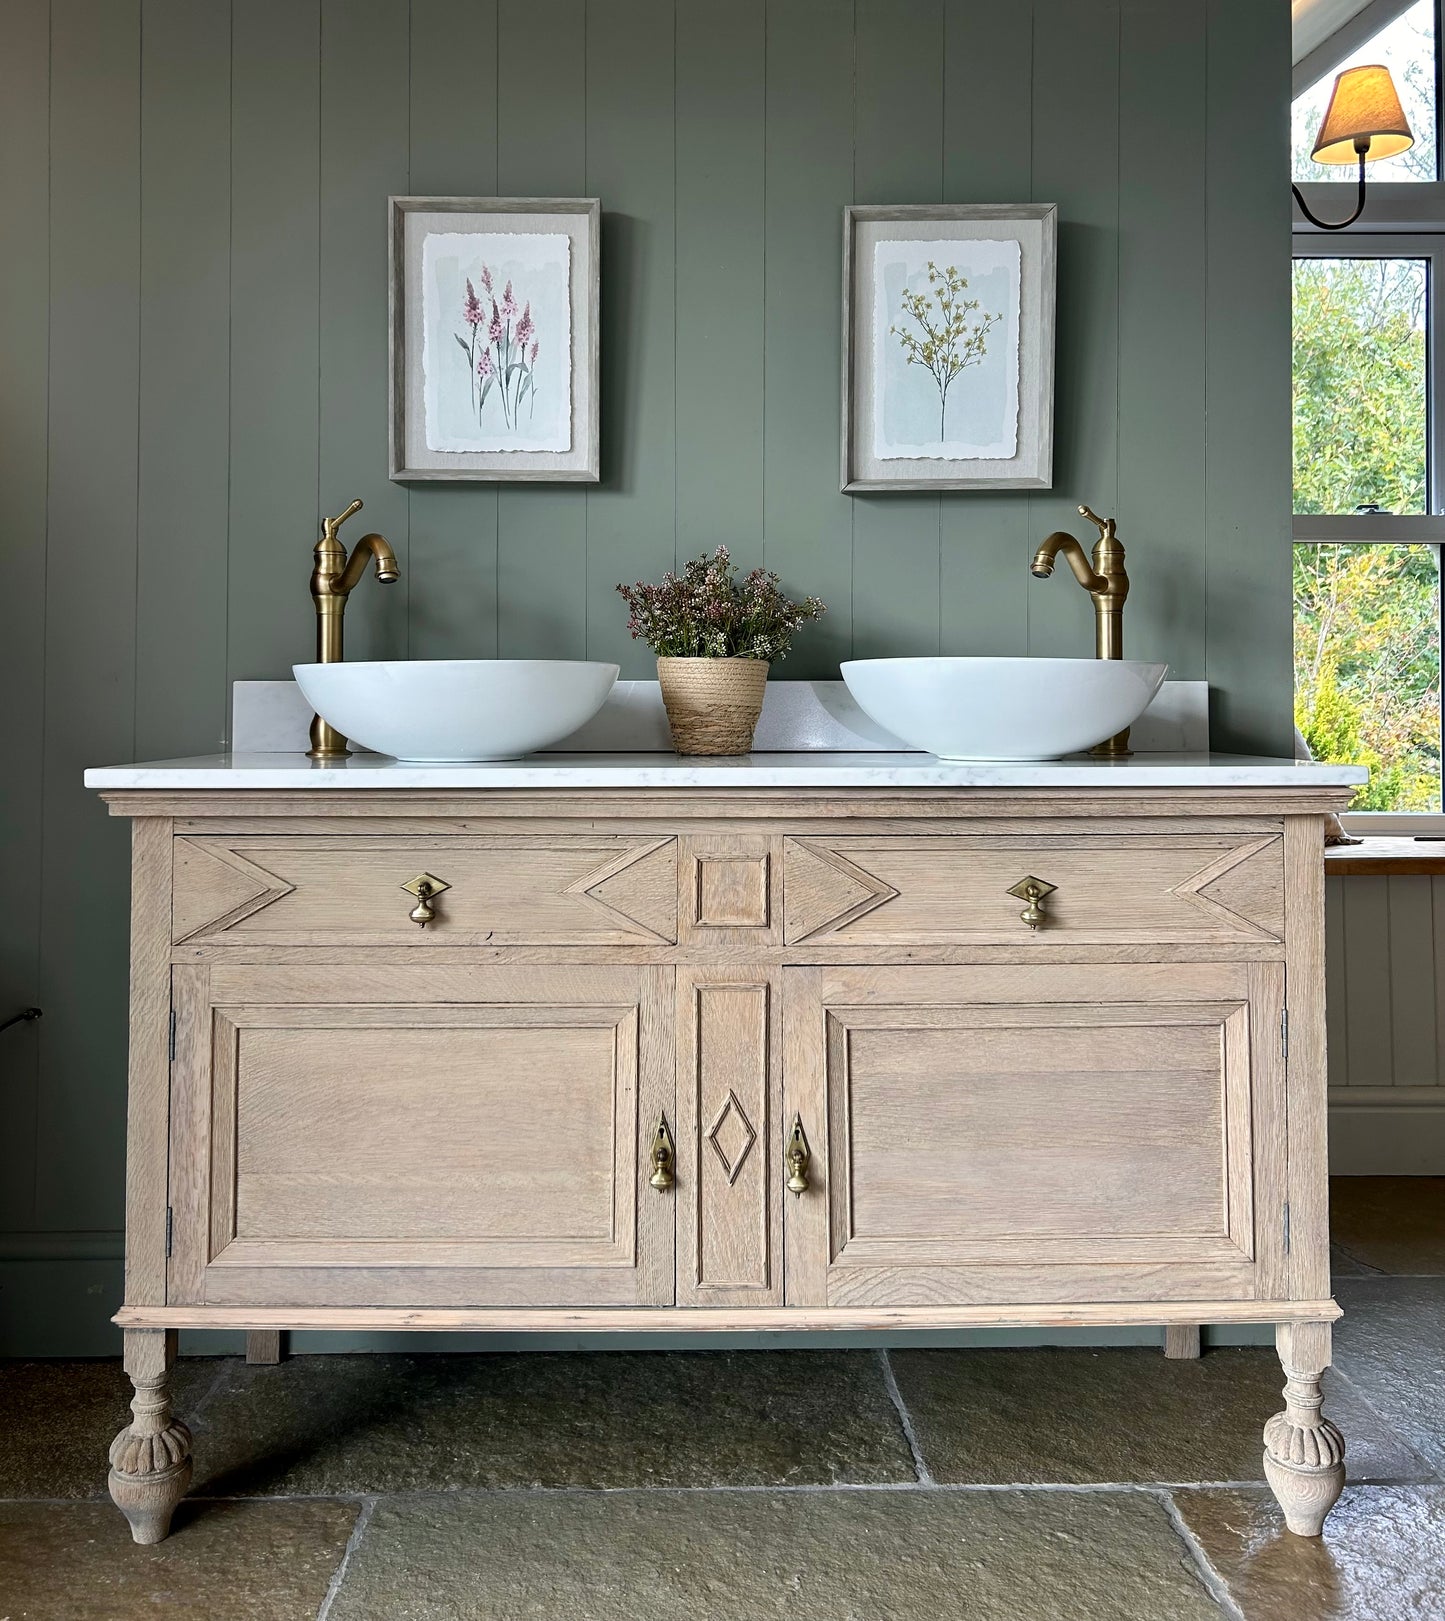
(1402, 219)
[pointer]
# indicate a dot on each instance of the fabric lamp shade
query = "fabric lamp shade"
(1363, 107)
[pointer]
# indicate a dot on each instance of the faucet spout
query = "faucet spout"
(370, 548)
(1063, 544)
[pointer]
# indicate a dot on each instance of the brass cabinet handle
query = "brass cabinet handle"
(426, 888)
(1035, 891)
(664, 1158)
(797, 1158)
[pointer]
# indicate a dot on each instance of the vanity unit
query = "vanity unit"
(800, 1042)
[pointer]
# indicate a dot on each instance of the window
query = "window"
(1369, 456)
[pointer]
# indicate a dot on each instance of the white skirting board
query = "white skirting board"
(1387, 1131)
(271, 717)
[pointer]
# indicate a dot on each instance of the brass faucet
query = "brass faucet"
(333, 579)
(1107, 583)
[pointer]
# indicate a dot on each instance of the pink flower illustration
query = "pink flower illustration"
(501, 348)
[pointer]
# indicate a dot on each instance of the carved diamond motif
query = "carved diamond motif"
(731, 1123)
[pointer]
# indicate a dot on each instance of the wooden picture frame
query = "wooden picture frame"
(481, 271)
(910, 341)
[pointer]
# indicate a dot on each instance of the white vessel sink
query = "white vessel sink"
(1003, 709)
(457, 709)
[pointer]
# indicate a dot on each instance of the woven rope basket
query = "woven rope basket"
(712, 704)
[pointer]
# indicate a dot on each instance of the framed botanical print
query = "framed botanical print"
(493, 313)
(948, 346)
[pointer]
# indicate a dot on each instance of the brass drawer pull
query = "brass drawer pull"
(1035, 891)
(426, 888)
(798, 1158)
(664, 1158)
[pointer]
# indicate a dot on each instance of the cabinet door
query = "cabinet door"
(1035, 1134)
(416, 1135)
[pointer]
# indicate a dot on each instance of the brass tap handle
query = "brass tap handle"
(664, 1158)
(329, 526)
(1035, 892)
(426, 888)
(1105, 526)
(797, 1158)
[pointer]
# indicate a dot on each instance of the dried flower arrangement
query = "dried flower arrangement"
(707, 612)
(715, 636)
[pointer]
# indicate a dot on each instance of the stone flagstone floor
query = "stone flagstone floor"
(819, 1485)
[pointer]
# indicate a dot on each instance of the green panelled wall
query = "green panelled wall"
(192, 370)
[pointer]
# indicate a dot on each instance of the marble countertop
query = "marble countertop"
(815, 769)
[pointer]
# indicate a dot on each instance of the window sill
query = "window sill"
(1386, 858)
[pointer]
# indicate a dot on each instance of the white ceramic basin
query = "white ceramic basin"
(1003, 709)
(457, 709)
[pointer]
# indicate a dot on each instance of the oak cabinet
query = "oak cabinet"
(726, 1060)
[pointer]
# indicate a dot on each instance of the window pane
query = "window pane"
(1360, 403)
(1407, 47)
(1367, 667)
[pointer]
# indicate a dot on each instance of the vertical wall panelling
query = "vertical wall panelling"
(1413, 987)
(808, 178)
(275, 244)
(1162, 228)
(24, 334)
(1247, 490)
(631, 516)
(1437, 947)
(1368, 1045)
(1336, 927)
(364, 94)
(1076, 165)
(987, 158)
(542, 528)
(90, 600)
(185, 372)
(720, 159)
(451, 585)
(897, 158)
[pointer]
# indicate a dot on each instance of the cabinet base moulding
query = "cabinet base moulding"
(699, 1320)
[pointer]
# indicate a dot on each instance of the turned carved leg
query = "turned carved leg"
(1304, 1453)
(150, 1460)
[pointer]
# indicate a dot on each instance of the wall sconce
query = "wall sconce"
(1363, 121)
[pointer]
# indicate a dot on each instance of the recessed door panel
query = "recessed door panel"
(498, 1144)
(1039, 1149)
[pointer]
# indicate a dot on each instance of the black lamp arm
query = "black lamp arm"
(1325, 225)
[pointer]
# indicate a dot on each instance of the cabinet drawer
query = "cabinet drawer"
(1109, 889)
(561, 890)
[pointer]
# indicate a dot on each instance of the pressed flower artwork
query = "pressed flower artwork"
(497, 341)
(946, 349)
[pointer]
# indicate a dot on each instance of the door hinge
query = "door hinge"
(1286, 1226)
(1284, 1032)
(172, 1048)
(170, 1227)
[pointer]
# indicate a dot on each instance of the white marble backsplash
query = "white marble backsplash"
(271, 717)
